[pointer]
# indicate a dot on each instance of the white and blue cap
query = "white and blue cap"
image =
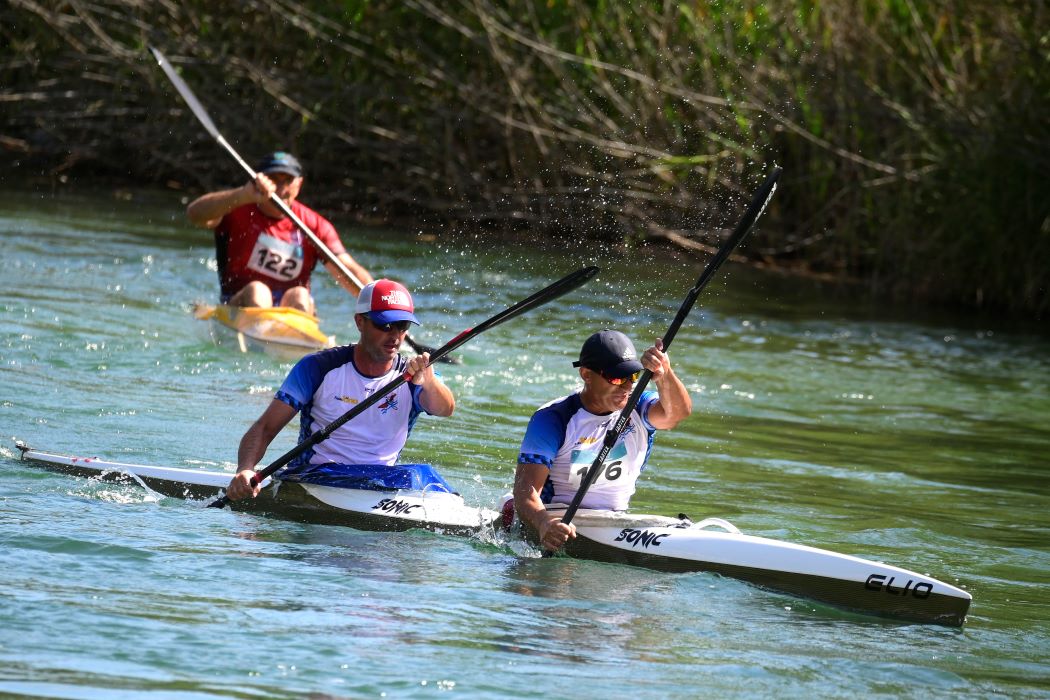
(386, 301)
(610, 352)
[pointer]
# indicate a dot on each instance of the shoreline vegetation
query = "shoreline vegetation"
(913, 134)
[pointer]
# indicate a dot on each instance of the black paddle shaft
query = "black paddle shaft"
(545, 295)
(747, 223)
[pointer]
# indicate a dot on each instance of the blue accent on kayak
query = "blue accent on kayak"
(372, 477)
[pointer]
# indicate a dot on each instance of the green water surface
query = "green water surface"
(919, 439)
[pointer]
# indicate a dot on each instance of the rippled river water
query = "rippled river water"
(920, 440)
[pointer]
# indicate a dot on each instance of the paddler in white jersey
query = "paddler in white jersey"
(564, 436)
(325, 385)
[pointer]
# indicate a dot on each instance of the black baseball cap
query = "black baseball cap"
(610, 352)
(281, 162)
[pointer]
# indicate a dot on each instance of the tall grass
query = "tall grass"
(913, 134)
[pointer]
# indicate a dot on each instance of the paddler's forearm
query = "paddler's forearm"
(675, 404)
(436, 398)
(258, 437)
(526, 496)
(252, 448)
(528, 480)
(206, 210)
(249, 453)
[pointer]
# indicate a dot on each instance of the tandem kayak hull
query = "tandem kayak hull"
(362, 509)
(280, 332)
(714, 545)
(650, 541)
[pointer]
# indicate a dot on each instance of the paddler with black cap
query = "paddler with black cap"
(564, 436)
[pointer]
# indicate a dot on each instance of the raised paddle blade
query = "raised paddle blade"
(545, 295)
(202, 116)
(187, 94)
(754, 210)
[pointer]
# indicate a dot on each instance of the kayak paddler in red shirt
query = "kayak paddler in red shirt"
(264, 259)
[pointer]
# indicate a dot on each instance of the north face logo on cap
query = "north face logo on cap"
(395, 297)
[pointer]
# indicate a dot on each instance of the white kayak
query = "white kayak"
(715, 545)
(376, 508)
(652, 541)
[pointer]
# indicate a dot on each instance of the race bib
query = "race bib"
(583, 459)
(276, 259)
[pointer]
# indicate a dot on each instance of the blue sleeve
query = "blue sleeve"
(645, 402)
(416, 391)
(542, 439)
(299, 386)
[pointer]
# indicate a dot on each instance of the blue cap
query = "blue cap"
(610, 352)
(281, 162)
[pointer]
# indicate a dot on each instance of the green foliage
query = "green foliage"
(913, 135)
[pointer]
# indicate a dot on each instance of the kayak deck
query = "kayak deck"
(841, 580)
(278, 331)
(362, 509)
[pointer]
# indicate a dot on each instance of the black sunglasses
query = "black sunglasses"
(399, 326)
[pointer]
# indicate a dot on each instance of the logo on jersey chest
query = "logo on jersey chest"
(388, 404)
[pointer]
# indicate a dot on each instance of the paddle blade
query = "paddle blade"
(220, 502)
(747, 222)
(187, 94)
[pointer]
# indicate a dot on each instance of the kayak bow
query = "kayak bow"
(377, 508)
(841, 580)
(279, 331)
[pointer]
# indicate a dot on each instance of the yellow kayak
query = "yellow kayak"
(278, 331)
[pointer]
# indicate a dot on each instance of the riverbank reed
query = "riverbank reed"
(913, 135)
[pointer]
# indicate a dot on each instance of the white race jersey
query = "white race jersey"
(566, 438)
(325, 385)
